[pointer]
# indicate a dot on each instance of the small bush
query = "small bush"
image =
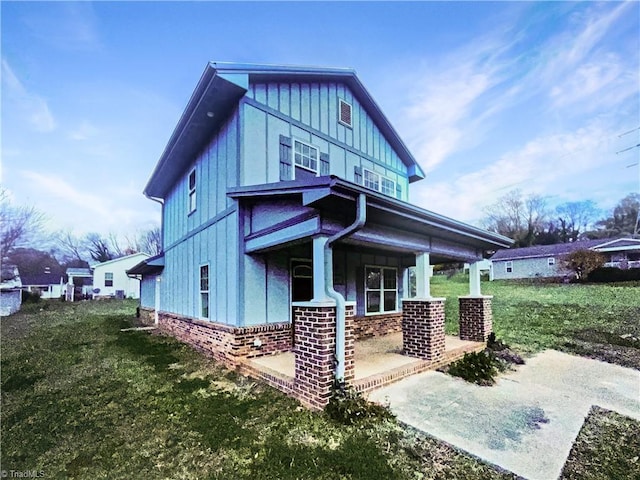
(476, 367)
(30, 297)
(611, 274)
(347, 406)
(503, 352)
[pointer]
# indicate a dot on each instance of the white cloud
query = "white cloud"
(84, 131)
(551, 165)
(28, 106)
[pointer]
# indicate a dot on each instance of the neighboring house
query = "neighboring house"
(79, 283)
(10, 293)
(47, 284)
(110, 278)
(545, 261)
(284, 201)
(483, 265)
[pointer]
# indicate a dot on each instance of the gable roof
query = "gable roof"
(220, 88)
(79, 272)
(120, 259)
(552, 250)
(41, 279)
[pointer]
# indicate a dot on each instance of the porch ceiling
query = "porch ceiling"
(391, 224)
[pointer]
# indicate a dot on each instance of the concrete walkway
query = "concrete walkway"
(528, 421)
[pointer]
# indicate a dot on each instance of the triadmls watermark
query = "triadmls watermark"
(22, 473)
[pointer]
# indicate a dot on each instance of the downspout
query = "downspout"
(156, 292)
(361, 218)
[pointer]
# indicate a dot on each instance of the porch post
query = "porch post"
(476, 315)
(319, 272)
(423, 286)
(474, 279)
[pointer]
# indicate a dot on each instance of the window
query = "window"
(381, 289)
(508, 267)
(344, 114)
(108, 279)
(192, 191)
(379, 183)
(305, 156)
(204, 291)
(551, 261)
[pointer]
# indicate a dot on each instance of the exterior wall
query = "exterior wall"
(528, 268)
(148, 291)
(119, 267)
(228, 344)
(10, 302)
(377, 325)
(309, 112)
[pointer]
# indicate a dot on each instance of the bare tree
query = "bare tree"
(150, 241)
(18, 224)
(72, 247)
(99, 248)
(574, 218)
(517, 217)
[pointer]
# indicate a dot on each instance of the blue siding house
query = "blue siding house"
(284, 192)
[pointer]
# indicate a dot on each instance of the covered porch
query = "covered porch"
(368, 264)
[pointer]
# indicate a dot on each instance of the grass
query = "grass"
(81, 399)
(597, 321)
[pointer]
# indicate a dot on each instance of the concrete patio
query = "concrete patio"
(378, 361)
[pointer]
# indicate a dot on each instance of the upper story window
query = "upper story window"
(192, 191)
(108, 279)
(305, 156)
(344, 114)
(379, 183)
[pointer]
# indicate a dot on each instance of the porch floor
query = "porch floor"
(378, 361)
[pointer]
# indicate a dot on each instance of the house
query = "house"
(79, 283)
(287, 228)
(10, 293)
(110, 279)
(48, 284)
(545, 261)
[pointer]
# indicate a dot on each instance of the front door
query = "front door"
(301, 281)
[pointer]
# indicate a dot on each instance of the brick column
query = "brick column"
(349, 344)
(423, 328)
(314, 351)
(476, 318)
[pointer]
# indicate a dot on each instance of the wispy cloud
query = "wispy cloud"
(71, 26)
(84, 131)
(558, 161)
(28, 106)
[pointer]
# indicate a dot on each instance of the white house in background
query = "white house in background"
(110, 278)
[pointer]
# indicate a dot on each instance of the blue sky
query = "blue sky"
(488, 96)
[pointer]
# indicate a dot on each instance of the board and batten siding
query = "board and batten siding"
(148, 291)
(309, 112)
(206, 236)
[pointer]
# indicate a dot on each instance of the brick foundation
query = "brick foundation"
(476, 318)
(226, 343)
(423, 328)
(314, 351)
(147, 316)
(377, 325)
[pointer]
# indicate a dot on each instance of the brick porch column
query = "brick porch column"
(476, 317)
(423, 328)
(314, 351)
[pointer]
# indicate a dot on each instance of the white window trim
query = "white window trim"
(380, 177)
(207, 291)
(293, 157)
(105, 279)
(508, 267)
(192, 191)
(381, 290)
(341, 101)
(551, 261)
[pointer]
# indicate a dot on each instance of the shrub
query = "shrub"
(612, 274)
(476, 367)
(347, 406)
(30, 297)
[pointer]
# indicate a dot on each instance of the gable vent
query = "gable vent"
(345, 113)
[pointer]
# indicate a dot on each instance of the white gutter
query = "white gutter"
(361, 218)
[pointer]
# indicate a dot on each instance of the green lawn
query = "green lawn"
(598, 321)
(81, 399)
